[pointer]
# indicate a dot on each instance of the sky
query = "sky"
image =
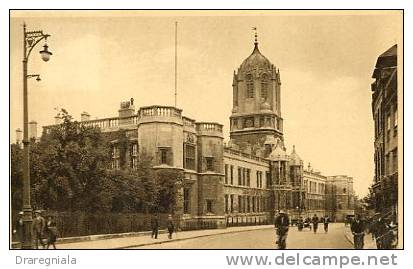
(325, 59)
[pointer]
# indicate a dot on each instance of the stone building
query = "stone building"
(315, 187)
(340, 197)
(385, 116)
(243, 182)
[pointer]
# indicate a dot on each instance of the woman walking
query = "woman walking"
(170, 226)
(51, 231)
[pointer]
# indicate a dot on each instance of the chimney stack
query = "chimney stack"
(32, 130)
(84, 116)
(127, 109)
(19, 136)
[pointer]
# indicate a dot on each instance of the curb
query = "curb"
(182, 239)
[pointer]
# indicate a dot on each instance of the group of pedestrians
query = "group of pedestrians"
(313, 222)
(44, 231)
(382, 230)
(155, 226)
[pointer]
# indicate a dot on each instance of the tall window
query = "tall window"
(134, 156)
(248, 177)
(239, 203)
(250, 86)
(226, 203)
(264, 86)
(226, 173)
(186, 201)
(164, 156)
(395, 161)
(232, 175)
(209, 163)
(209, 206)
(115, 157)
(231, 203)
(239, 176)
(189, 152)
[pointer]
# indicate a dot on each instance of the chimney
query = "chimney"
(127, 109)
(84, 116)
(32, 130)
(19, 136)
(57, 119)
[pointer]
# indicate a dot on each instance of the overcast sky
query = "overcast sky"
(326, 61)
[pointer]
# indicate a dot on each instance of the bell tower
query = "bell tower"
(256, 110)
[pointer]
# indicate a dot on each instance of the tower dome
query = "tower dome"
(294, 158)
(278, 152)
(255, 60)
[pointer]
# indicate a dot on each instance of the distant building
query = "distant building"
(385, 116)
(315, 197)
(245, 181)
(340, 197)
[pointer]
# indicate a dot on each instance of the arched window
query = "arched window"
(264, 86)
(250, 86)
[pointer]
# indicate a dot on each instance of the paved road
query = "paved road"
(264, 239)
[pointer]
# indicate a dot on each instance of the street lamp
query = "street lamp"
(30, 40)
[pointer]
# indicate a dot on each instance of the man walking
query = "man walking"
(315, 221)
(281, 224)
(357, 228)
(19, 228)
(39, 225)
(326, 221)
(155, 226)
(170, 226)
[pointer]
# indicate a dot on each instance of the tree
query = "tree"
(169, 184)
(68, 168)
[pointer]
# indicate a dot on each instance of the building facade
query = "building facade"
(243, 182)
(385, 116)
(340, 197)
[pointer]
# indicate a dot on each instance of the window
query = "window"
(163, 155)
(344, 190)
(250, 86)
(239, 176)
(395, 169)
(189, 153)
(186, 201)
(248, 177)
(226, 173)
(248, 204)
(239, 203)
(231, 203)
(209, 206)
(232, 174)
(226, 203)
(134, 156)
(115, 157)
(264, 86)
(209, 163)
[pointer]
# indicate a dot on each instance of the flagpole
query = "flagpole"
(176, 61)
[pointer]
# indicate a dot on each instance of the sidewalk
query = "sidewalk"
(369, 243)
(145, 239)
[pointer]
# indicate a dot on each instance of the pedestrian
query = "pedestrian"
(51, 230)
(155, 225)
(39, 225)
(315, 221)
(357, 229)
(19, 227)
(170, 226)
(326, 221)
(281, 224)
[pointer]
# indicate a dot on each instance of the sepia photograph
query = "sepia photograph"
(206, 129)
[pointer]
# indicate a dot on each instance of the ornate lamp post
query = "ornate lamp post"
(30, 40)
